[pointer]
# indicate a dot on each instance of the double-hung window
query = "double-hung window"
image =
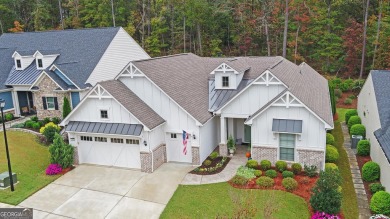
(50, 103)
(286, 147)
(225, 81)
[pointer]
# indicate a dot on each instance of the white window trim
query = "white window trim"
(295, 147)
(39, 68)
(228, 82)
(101, 114)
(47, 104)
(16, 64)
(108, 113)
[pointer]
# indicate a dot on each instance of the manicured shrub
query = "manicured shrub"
(329, 139)
(296, 168)
(19, 125)
(371, 171)
(239, 180)
(363, 148)
(380, 203)
(36, 125)
(265, 164)
(265, 182)
(66, 108)
(281, 165)
(49, 130)
(46, 120)
(289, 184)
(348, 101)
(287, 174)
(353, 121)
(56, 120)
(214, 155)
(9, 116)
(310, 171)
(352, 97)
(376, 187)
(325, 195)
(258, 173)
(332, 155)
(246, 172)
(252, 164)
(60, 152)
(338, 93)
(271, 173)
(53, 169)
(29, 124)
(349, 114)
(207, 162)
(331, 167)
(358, 129)
(34, 118)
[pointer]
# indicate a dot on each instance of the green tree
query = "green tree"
(61, 153)
(66, 108)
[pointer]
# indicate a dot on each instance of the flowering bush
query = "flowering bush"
(49, 131)
(323, 215)
(211, 169)
(53, 169)
(51, 124)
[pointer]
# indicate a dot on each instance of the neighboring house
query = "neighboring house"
(137, 121)
(374, 110)
(39, 69)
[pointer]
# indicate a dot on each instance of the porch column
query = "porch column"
(16, 102)
(222, 145)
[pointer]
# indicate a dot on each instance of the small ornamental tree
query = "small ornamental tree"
(61, 153)
(66, 108)
(325, 195)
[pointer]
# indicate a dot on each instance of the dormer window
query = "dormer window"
(225, 81)
(18, 64)
(39, 63)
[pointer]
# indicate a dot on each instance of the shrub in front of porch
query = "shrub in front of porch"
(281, 165)
(265, 165)
(252, 164)
(265, 182)
(49, 131)
(290, 184)
(246, 172)
(296, 168)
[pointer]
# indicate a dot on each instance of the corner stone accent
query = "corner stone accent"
(75, 156)
(264, 153)
(146, 162)
(46, 89)
(311, 157)
(159, 156)
(223, 151)
(195, 155)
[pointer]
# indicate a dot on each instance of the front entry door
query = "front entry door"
(247, 133)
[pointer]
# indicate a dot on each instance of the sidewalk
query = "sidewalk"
(364, 210)
(13, 122)
(226, 174)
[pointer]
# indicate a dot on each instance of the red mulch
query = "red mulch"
(340, 103)
(64, 171)
(213, 164)
(361, 161)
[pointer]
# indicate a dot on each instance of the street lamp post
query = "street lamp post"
(11, 180)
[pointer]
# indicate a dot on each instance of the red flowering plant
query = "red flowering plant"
(323, 215)
(53, 169)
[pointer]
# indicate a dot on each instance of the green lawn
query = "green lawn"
(341, 112)
(349, 202)
(29, 160)
(224, 201)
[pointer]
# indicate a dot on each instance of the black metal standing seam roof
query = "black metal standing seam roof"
(105, 128)
(287, 125)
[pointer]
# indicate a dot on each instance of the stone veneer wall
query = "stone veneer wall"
(146, 162)
(311, 157)
(76, 156)
(195, 155)
(159, 156)
(223, 151)
(264, 153)
(46, 88)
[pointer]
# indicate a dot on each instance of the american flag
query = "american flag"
(185, 137)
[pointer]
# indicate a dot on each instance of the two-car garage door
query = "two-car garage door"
(119, 152)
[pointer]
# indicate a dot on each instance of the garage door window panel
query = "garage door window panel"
(132, 141)
(100, 139)
(86, 138)
(117, 140)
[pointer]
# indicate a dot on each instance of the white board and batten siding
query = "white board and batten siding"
(119, 53)
(208, 137)
(313, 130)
(176, 118)
(370, 119)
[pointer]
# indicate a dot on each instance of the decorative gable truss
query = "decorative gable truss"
(288, 100)
(99, 92)
(267, 78)
(224, 68)
(130, 71)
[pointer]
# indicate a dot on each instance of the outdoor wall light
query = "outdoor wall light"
(145, 143)
(194, 136)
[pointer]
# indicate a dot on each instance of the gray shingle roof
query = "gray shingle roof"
(185, 78)
(80, 49)
(381, 81)
(133, 103)
(105, 128)
(6, 65)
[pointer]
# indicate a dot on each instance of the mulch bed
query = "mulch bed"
(361, 161)
(213, 164)
(64, 171)
(340, 103)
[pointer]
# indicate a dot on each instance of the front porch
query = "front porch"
(235, 128)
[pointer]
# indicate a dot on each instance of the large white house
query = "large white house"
(374, 110)
(137, 120)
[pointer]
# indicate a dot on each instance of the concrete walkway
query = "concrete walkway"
(13, 122)
(364, 209)
(226, 174)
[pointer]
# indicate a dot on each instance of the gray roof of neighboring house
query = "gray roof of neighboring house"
(105, 128)
(175, 75)
(133, 103)
(80, 50)
(381, 81)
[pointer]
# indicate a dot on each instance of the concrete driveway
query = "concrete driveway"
(103, 192)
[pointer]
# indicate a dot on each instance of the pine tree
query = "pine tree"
(66, 108)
